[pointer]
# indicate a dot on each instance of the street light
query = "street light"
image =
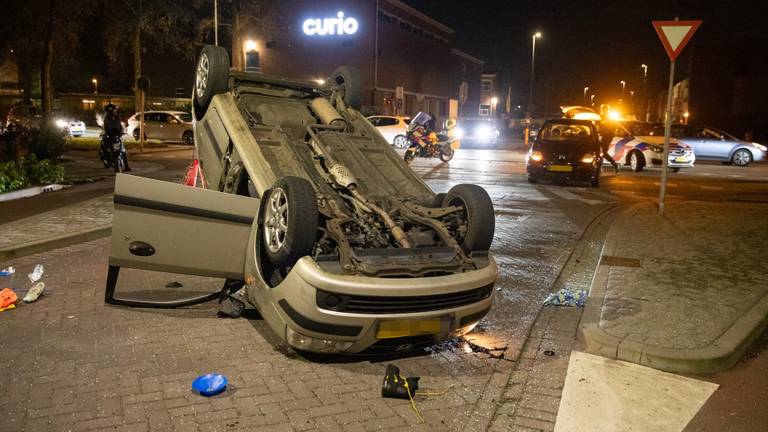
(592, 99)
(585, 94)
(623, 85)
(535, 36)
(95, 85)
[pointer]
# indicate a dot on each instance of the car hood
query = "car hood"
(569, 149)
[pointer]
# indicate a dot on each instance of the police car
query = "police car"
(641, 145)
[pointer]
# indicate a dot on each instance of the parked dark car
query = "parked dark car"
(565, 150)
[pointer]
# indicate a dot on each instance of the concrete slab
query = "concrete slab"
(610, 395)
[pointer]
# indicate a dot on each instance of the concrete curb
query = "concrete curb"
(55, 242)
(720, 355)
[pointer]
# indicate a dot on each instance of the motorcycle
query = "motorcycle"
(112, 152)
(442, 145)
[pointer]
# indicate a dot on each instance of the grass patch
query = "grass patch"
(93, 143)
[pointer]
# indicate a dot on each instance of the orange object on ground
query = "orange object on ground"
(7, 299)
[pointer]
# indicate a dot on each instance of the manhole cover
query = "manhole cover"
(615, 261)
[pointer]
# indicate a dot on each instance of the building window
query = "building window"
(485, 110)
(485, 86)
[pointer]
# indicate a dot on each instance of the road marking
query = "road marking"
(602, 394)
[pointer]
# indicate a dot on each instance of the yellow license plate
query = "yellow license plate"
(400, 328)
(681, 159)
(562, 168)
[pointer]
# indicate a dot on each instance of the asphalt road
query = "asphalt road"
(537, 228)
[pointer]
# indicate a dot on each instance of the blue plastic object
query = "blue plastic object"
(210, 384)
(567, 297)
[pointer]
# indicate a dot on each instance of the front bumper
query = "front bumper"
(674, 160)
(576, 171)
(295, 312)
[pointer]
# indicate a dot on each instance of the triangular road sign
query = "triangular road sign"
(675, 35)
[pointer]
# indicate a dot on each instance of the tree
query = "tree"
(168, 24)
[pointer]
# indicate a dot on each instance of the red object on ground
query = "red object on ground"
(193, 172)
(7, 298)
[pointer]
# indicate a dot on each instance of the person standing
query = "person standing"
(607, 130)
(113, 127)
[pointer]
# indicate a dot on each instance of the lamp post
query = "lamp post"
(623, 86)
(533, 62)
(95, 85)
(645, 94)
(585, 94)
(592, 100)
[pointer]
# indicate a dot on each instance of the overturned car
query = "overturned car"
(312, 218)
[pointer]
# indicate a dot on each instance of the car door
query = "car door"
(713, 145)
(167, 227)
(151, 125)
(388, 126)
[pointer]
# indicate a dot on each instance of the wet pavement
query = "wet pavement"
(74, 363)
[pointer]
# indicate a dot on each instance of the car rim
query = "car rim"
(741, 158)
(201, 80)
(276, 223)
(633, 161)
(400, 142)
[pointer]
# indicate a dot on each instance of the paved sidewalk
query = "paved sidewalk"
(686, 292)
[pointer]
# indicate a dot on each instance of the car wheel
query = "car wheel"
(290, 221)
(188, 137)
(400, 141)
(408, 156)
(636, 161)
(348, 79)
(676, 170)
(532, 179)
(446, 154)
(439, 198)
(136, 134)
(479, 218)
(741, 157)
(211, 76)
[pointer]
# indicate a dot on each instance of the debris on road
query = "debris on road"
(397, 386)
(209, 384)
(8, 271)
(7, 299)
(36, 274)
(34, 293)
(567, 297)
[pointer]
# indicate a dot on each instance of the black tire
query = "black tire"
(211, 76)
(481, 221)
(188, 137)
(300, 220)
(439, 198)
(409, 156)
(640, 160)
(446, 154)
(532, 179)
(136, 134)
(741, 157)
(349, 80)
(675, 170)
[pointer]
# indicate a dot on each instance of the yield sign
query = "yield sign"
(675, 34)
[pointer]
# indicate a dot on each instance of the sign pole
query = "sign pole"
(141, 124)
(667, 131)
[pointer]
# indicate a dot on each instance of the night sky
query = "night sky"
(589, 42)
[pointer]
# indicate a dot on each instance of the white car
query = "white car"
(163, 125)
(641, 145)
(76, 128)
(393, 128)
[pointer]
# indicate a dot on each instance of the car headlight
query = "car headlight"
(536, 156)
(588, 158)
(657, 149)
(300, 341)
(458, 133)
(61, 123)
(760, 146)
(483, 133)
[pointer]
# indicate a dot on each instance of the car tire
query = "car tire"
(408, 156)
(349, 80)
(290, 221)
(400, 141)
(636, 160)
(481, 221)
(211, 77)
(136, 135)
(188, 137)
(446, 155)
(532, 179)
(439, 199)
(741, 157)
(675, 170)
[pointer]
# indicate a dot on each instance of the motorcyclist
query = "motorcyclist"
(419, 129)
(113, 127)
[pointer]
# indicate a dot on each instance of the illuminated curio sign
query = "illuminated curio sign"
(330, 26)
